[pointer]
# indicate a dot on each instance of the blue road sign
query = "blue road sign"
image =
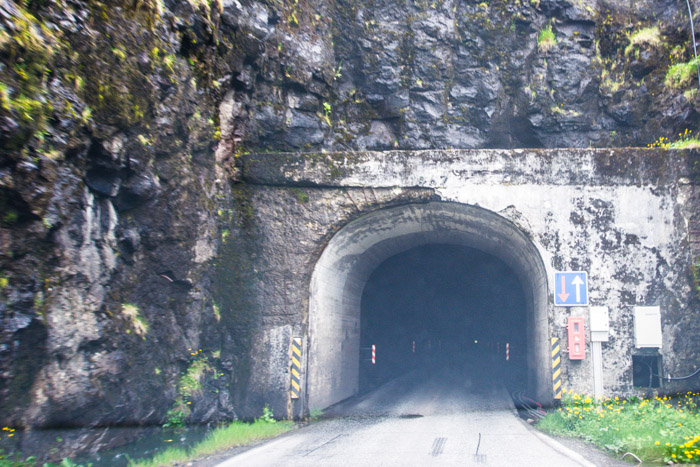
(571, 288)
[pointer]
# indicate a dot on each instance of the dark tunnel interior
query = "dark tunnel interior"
(444, 310)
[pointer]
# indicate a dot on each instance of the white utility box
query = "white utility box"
(600, 324)
(647, 327)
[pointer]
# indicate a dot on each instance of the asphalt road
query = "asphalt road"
(416, 420)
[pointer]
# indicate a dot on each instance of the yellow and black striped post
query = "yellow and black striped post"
(296, 368)
(556, 368)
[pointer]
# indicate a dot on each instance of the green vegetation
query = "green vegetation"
(300, 195)
(650, 36)
(29, 46)
(268, 416)
(546, 39)
(655, 430)
(175, 418)
(8, 460)
(10, 218)
(327, 114)
(685, 141)
(696, 277)
(232, 435)
(138, 322)
(191, 381)
(681, 74)
(189, 386)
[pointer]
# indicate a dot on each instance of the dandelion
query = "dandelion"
(657, 443)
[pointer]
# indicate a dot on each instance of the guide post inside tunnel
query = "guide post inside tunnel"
(437, 287)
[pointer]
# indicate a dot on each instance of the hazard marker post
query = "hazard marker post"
(296, 368)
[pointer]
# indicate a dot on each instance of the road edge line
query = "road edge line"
(557, 446)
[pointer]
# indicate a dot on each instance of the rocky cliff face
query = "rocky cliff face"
(449, 74)
(123, 259)
(108, 192)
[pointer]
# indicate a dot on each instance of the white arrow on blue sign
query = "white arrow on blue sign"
(571, 288)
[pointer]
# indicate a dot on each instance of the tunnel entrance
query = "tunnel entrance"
(444, 310)
(475, 245)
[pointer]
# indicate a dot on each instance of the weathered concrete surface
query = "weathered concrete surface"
(622, 215)
(361, 246)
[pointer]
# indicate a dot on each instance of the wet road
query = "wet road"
(415, 421)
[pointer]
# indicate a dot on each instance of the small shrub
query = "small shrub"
(681, 74)
(138, 322)
(685, 141)
(267, 416)
(688, 143)
(191, 381)
(649, 36)
(175, 418)
(546, 40)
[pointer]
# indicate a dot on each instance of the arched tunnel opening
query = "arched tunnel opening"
(441, 274)
(444, 311)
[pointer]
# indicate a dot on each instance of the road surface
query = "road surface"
(415, 420)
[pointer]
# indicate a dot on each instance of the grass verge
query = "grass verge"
(655, 430)
(232, 435)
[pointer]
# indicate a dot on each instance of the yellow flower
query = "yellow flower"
(657, 443)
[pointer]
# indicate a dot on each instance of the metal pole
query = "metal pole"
(597, 356)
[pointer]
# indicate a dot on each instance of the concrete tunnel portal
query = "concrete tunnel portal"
(451, 281)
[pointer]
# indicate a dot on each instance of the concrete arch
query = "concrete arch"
(358, 248)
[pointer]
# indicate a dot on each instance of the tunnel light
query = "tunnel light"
(476, 341)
